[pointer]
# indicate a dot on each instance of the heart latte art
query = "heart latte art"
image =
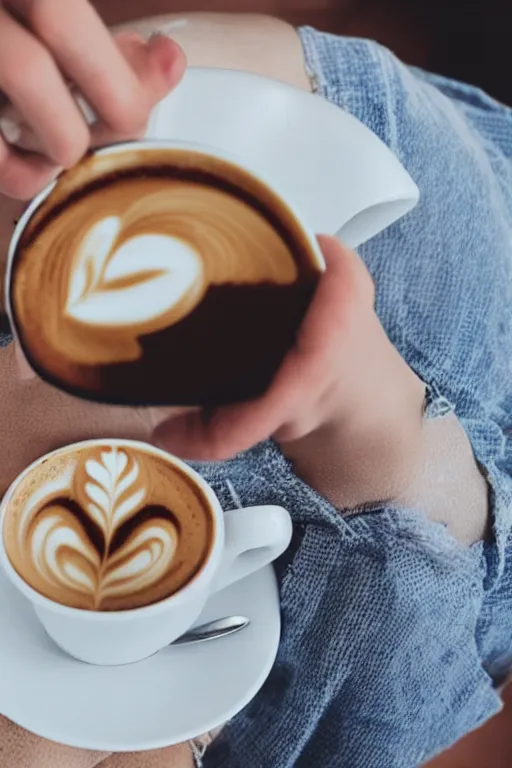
(141, 273)
(107, 528)
(148, 264)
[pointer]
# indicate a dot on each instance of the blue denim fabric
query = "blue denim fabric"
(393, 634)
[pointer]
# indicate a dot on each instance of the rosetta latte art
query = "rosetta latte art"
(96, 535)
(65, 556)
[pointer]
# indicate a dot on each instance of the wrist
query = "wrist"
(371, 451)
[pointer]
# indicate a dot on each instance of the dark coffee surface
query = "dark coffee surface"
(239, 335)
(247, 276)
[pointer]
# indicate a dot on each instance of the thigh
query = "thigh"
(21, 749)
(253, 43)
(179, 756)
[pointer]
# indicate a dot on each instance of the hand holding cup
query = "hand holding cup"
(44, 47)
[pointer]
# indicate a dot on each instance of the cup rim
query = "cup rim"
(149, 145)
(201, 579)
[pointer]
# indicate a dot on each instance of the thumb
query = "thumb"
(221, 433)
(213, 435)
(159, 63)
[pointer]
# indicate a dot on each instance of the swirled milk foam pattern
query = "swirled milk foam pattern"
(107, 528)
(139, 266)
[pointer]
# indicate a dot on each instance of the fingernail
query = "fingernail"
(11, 129)
(155, 36)
(167, 52)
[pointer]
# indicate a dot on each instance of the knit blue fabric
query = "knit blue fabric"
(393, 634)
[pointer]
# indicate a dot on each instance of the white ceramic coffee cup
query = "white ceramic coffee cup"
(244, 541)
(141, 148)
(343, 178)
(153, 145)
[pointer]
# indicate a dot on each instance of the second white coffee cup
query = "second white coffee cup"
(244, 541)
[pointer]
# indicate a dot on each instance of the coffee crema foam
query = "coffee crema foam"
(136, 254)
(107, 528)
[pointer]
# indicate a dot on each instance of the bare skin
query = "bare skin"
(355, 444)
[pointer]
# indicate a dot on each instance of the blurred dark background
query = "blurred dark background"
(466, 39)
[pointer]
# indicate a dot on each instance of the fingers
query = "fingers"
(156, 63)
(32, 81)
(84, 50)
(219, 435)
(159, 65)
(296, 400)
(122, 81)
(47, 44)
(23, 176)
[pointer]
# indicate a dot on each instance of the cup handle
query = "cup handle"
(368, 222)
(254, 537)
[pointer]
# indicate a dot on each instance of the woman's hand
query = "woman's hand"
(344, 406)
(347, 410)
(49, 51)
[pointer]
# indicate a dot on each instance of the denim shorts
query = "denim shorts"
(394, 635)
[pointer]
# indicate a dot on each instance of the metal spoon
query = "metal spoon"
(213, 629)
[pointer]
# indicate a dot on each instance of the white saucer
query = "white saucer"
(178, 694)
